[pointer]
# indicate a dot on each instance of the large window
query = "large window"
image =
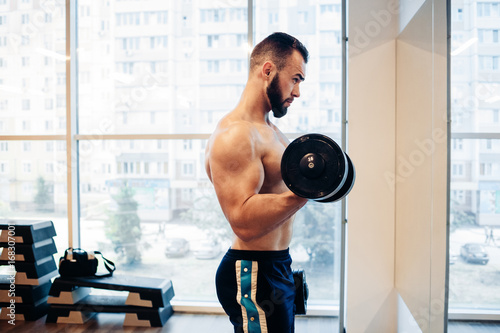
(475, 159)
(33, 160)
(151, 80)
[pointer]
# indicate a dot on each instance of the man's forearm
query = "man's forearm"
(262, 213)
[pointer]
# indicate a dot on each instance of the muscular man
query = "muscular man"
(243, 156)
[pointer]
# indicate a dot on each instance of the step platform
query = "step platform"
(24, 311)
(34, 270)
(29, 252)
(33, 267)
(142, 291)
(23, 293)
(23, 279)
(26, 231)
(84, 309)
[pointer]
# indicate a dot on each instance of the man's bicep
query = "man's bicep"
(236, 175)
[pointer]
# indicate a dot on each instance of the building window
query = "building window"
(128, 19)
(213, 66)
(303, 17)
(158, 42)
(213, 41)
(27, 167)
(458, 196)
(326, 64)
(236, 66)
(49, 104)
(25, 40)
(457, 144)
(26, 104)
(214, 15)
(187, 145)
(25, 19)
(187, 169)
(162, 168)
(457, 169)
(162, 17)
(241, 40)
(49, 167)
(485, 169)
(273, 18)
(60, 101)
(131, 43)
(4, 167)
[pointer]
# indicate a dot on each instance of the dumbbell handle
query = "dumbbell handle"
(315, 167)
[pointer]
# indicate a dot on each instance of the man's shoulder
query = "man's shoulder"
(233, 137)
(232, 128)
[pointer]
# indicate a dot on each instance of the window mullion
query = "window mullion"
(250, 30)
(71, 125)
(343, 237)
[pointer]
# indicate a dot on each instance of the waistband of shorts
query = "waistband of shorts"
(258, 255)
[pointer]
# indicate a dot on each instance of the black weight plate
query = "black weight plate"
(348, 185)
(329, 181)
(301, 291)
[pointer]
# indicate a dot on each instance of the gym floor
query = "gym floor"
(182, 323)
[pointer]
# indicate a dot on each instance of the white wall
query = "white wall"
(407, 10)
(397, 140)
(421, 150)
(371, 300)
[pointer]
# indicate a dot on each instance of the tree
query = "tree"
(43, 199)
(123, 226)
(460, 217)
(315, 228)
(206, 214)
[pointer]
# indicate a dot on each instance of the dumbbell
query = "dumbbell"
(314, 166)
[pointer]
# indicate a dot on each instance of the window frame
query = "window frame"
(72, 137)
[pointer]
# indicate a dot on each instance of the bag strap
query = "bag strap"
(68, 254)
(110, 266)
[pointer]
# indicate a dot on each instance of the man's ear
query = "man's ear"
(267, 69)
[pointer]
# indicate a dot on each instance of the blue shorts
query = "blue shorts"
(257, 291)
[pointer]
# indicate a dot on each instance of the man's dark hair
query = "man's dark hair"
(277, 47)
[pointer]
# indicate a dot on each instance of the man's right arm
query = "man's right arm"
(237, 173)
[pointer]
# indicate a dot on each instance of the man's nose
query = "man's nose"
(296, 91)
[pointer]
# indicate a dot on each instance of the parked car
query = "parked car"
(176, 247)
(207, 249)
(476, 253)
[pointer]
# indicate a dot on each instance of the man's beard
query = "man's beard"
(274, 95)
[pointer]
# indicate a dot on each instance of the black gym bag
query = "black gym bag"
(80, 263)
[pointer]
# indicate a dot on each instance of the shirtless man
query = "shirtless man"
(243, 157)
